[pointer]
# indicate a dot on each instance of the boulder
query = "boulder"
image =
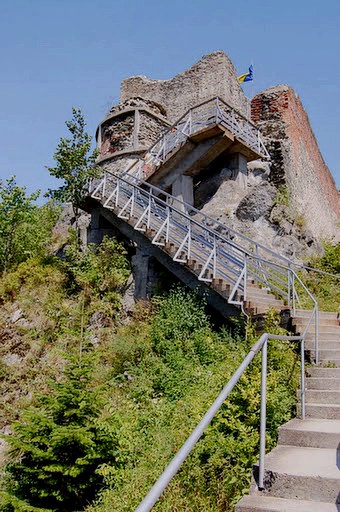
(257, 203)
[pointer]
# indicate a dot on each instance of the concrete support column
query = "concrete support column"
(183, 189)
(140, 265)
(238, 164)
(98, 228)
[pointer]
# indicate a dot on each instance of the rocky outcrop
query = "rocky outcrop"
(257, 213)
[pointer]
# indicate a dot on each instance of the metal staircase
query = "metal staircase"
(244, 273)
(250, 275)
(210, 114)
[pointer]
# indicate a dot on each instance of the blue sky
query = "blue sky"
(60, 53)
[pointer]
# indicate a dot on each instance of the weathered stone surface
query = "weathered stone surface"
(296, 159)
(17, 315)
(213, 75)
(257, 203)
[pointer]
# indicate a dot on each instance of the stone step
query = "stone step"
(328, 373)
(309, 473)
(327, 362)
(323, 396)
(323, 329)
(322, 337)
(313, 433)
(260, 503)
(322, 321)
(329, 355)
(323, 345)
(323, 411)
(303, 313)
(331, 383)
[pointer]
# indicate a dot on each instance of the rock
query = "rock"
(258, 172)
(11, 359)
(257, 203)
(128, 297)
(17, 315)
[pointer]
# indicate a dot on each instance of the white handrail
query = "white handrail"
(261, 345)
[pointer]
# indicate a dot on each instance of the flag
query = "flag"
(246, 77)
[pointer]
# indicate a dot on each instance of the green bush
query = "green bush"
(59, 445)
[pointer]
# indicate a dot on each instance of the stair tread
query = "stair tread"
(303, 461)
(318, 404)
(254, 503)
(313, 425)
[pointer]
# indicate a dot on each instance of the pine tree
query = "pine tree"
(59, 445)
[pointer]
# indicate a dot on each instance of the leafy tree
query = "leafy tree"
(61, 446)
(24, 227)
(75, 165)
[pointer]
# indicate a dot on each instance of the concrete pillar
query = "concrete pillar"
(183, 189)
(98, 228)
(238, 164)
(140, 265)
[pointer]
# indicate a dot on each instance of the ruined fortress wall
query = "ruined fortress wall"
(297, 160)
(213, 75)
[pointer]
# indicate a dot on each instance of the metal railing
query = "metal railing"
(260, 346)
(210, 113)
(196, 237)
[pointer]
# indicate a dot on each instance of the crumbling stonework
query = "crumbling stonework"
(296, 159)
(130, 127)
(117, 134)
(240, 195)
(213, 75)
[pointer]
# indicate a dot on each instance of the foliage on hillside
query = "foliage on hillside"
(25, 229)
(325, 288)
(149, 383)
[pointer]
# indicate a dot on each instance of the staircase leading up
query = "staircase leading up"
(303, 472)
(197, 138)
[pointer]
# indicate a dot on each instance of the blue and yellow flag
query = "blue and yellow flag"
(246, 77)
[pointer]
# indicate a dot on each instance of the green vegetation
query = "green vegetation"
(22, 234)
(75, 165)
(325, 288)
(282, 196)
(112, 403)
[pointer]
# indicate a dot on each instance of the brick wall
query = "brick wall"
(297, 161)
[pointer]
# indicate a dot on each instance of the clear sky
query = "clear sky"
(60, 53)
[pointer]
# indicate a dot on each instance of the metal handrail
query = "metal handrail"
(218, 254)
(182, 454)
(186, 125)
(186, 207)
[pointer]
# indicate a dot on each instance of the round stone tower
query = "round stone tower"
(126, 133)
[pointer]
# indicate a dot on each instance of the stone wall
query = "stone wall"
(296, 159)
(213, 75)
(150, 129)
(117, 134)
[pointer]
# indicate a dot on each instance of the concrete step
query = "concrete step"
(323, 345)
(309, 473)
(325, 328)
(331, 383)
(322, 322)
(303, 313)
(262, 503)
(313, 433)
(329, 355)
(323, 411)
(324, 336)
(319, 372)
(323, 396)
(333, 362)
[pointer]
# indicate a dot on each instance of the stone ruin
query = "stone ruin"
(289, 203)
